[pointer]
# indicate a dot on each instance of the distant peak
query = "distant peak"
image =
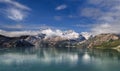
(86, 35)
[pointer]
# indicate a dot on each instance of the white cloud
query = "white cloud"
(15, 10)
(106, 14)
(104, 3)
(102, 28)
(15, 4)
(18, 33)
(61, 7)
(15, 14)
(70, 34)
(91, 12)
(50, 32)
(106, 28)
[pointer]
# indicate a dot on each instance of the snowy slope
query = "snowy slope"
(70, 34)
(86, 35)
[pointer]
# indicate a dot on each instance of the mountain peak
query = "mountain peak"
(86, 34)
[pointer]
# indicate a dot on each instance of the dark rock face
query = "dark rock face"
(12, 42)
(35, 39)
(22, 41)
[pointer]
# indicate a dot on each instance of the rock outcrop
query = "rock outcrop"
(104, 41)
(12, 42)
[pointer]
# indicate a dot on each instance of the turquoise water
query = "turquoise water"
(51, 59)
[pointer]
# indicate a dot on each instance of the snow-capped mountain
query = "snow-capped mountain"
(53, 38)
(86, 35)
(70, 34)
(49, 33)
(35, 39)
(44, 38)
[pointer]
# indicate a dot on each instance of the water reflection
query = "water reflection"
(45, 56)
(86, 57)
(93, 60)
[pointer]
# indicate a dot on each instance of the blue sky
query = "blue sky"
(78, 15)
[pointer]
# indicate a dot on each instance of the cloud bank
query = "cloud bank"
(70, 34)
(106, 13)
(18, 33)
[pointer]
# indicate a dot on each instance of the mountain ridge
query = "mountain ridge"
(58, 38)
(48, 37)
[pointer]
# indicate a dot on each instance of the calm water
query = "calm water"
(51, 59)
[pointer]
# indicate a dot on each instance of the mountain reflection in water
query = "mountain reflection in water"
(62, 59)
(45, 56)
